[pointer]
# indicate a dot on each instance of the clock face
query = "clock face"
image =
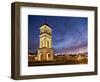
(45, 31)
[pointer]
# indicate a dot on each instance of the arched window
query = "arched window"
(48, 44)
(48, 56)
(41, 43)
(40, 56)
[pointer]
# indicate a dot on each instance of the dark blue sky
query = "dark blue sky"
(69, 34)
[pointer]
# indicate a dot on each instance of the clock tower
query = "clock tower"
(45, 51)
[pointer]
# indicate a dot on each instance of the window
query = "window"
(41, 43)
(48, 44)
(48, 56)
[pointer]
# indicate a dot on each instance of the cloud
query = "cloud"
(82, 47)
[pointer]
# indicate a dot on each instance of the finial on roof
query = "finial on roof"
(45, 22)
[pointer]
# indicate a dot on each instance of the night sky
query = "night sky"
(69, 34)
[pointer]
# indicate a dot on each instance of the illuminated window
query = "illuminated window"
(41, 43)
(47, 43)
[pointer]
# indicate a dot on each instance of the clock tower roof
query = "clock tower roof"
(45, 25)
